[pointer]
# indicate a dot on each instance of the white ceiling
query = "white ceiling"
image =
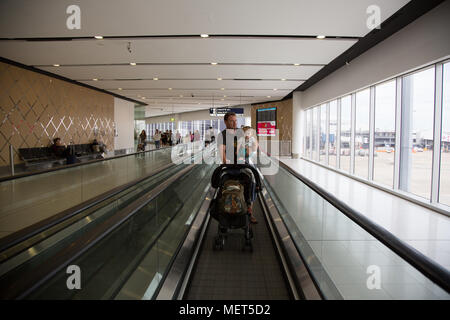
(183, 63)
(47, 18)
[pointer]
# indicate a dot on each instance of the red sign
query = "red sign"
(266, 128)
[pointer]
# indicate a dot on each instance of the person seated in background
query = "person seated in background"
(95, 146)
(58, 148)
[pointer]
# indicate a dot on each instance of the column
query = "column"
(298, 129)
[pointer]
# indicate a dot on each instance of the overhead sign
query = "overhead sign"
(217, 112)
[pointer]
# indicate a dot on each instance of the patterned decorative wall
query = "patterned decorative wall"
(35, 108)
(284, 117)
(284, 124)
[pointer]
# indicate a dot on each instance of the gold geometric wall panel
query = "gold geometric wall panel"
(284, 117)
(35, 108)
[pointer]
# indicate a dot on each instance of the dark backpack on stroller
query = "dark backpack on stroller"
(232, 198)
(229, 207)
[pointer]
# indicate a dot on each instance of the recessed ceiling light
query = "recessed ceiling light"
(222, 88)
(320, 37)
(224, 96)
(181, 96)
(95, 79)
(98, 37)
(170, 88)
(56, 65)
(213, 63)
(155, 78)
(204, 35)
(275, 89)
(296, 64)
(283, 79)
(144, 98)
(120, 88)
(269, 96)
(133, 63)
(219, 78)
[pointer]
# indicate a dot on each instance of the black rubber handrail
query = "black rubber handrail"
(28, 174)
(22, 287)
(432, 270)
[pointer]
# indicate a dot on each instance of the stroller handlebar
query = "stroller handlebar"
(215, 179)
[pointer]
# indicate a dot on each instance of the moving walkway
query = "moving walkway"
(154, 240)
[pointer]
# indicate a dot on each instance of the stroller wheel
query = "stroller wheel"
(219, 243)
(248, 245)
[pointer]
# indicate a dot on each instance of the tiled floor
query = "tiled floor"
(237, 275)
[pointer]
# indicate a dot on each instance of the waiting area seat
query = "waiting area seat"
(44, 156)
(39, 156)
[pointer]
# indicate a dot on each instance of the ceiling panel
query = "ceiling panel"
(200, 95)
(185, 71)
(194, 84)
(47, 18)
(258, 41)
(192, 50)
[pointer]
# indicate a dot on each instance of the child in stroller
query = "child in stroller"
(237, 186)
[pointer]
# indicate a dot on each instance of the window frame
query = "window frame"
(431, 203)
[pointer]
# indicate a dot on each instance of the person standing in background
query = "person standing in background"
(208, 137)
(170, 138)
(157, 138)
(143, 139)
(196, 136)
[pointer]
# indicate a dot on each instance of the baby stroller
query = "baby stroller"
(237, 186)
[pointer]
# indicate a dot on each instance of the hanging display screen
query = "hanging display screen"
(266, 122)
(222, 111)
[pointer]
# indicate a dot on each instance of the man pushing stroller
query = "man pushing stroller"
(237, 151)
(237, 182)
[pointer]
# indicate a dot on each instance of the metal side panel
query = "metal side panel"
(180, 269)
(298, 270)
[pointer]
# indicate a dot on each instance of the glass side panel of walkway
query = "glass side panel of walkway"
(125, 253)
(344, 259)
(30, 199)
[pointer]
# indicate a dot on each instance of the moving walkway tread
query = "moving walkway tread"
(235, 274)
